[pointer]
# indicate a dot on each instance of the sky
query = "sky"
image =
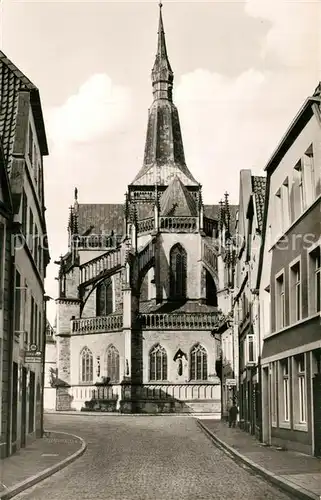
(241, 72)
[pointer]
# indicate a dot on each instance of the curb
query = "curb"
(281, 483)
(117, 414)
(37, 478)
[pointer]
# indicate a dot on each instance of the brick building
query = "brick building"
(139, 288)
(24, 144)
(246, 298)
(290, 284)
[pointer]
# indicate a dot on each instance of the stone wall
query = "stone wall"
(172, 341)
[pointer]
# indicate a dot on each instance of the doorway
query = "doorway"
(23, 407)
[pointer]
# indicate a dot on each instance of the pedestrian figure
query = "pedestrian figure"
(232, 415)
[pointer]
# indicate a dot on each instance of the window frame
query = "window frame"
(198, 348)
(83, 379)
(295, 291)
(176, 251)
(314, 278)
(112, 370)
(279, 325)
(153, 363)
(284, 393)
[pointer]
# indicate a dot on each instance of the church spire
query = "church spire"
(162, 74)
(164, 157)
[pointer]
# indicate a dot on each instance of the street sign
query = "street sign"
(230, 381)
(33, 356)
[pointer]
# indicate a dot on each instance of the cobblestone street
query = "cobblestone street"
(151, 458)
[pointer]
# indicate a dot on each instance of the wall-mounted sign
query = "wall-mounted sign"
(230, 381)
(33, 355)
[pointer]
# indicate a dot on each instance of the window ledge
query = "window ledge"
(293, 325)
(285, 425)
(301, 427)
(274, 425)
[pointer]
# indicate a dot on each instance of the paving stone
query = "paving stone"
(148, 458)
(303, 470)
(37, 457)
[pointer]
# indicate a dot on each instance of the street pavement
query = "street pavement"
(148, 458)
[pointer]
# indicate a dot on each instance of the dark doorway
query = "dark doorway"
(211, 293)
(23, 407)
(317, 414)
(14, 405)
(32, 403)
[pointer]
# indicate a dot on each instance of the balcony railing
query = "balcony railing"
(180, 224)
(145, 226)
(106, 262)
(99, 324)
(96, 241)
(181, 321)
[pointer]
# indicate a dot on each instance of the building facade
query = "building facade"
(139, 290)
(290, 283)
(6, 221)
(24, 144)
(246, 298)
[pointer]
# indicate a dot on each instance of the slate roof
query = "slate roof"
(12, 82)
(107, 217)
(190, 306)
(213, 212)
(101, 218)
(177, 201)
(258, 188)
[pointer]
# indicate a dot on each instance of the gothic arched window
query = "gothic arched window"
(112, 364)
(157, 364)
(198, 363)
(104, 298)
(86, 366)
(178, 267)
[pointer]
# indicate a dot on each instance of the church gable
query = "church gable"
(177, 201)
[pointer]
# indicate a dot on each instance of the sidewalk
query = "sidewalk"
(294, 472)
(38, 461)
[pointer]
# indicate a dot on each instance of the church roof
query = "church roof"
(190, 306)
(177, 200)
(12, 82)
(164, 152)
(100, 218)
(107, 217)
(213, 212)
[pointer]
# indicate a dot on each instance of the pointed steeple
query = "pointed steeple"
(164, 152)
(162, 74)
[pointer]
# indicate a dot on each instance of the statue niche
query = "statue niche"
(179, 358)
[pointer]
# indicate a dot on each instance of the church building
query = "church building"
(142, 287)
